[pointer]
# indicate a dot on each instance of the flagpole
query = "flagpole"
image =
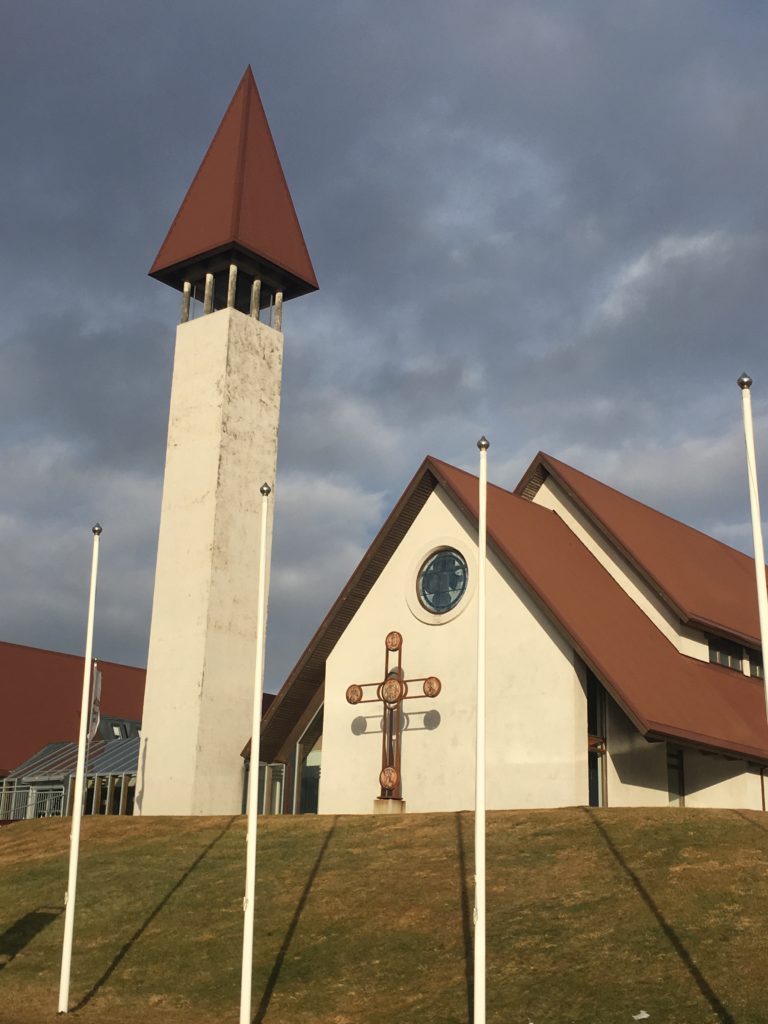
(77, 802)
(479, 915)
(745, 383)
(253, 772)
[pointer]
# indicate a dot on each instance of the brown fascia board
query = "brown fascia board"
(707, 744)
(309, 672)
(535, 467)
(716, 629)
(218, 259)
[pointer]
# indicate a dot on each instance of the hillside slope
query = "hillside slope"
(593, 916)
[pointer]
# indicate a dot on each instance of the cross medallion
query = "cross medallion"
(392, 691)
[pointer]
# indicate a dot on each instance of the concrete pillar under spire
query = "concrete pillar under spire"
(222, 443)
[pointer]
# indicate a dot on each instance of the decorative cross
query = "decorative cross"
(392, 691)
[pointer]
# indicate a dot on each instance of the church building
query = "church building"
(623, 660)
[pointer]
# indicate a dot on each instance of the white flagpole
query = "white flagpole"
(253, 772)
(479, 965)
(77, 803)
(745, 383)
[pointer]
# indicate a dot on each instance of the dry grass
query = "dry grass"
(592, 917)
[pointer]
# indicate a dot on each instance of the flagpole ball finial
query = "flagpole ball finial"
(265, 490)
(744, 381)
(483, 444)
(96, 529)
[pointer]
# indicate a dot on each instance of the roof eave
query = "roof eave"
(543, 460)
(218, 258)
(662, 731)
(304, 677)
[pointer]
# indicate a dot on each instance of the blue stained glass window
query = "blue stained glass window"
(442, 581)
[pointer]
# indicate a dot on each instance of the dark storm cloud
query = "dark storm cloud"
(546, 222)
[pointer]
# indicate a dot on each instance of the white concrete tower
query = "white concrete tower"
(236, 252)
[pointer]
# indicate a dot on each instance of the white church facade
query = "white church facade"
(622, 652)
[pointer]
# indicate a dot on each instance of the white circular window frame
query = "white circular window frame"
(469, 554)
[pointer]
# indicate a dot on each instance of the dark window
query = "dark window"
(675, 777)
(756, 664)
(726, 653)
(595, 740)
(308, 760)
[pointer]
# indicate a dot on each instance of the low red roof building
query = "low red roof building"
(40, 693)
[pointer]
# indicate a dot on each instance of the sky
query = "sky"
(544, 222)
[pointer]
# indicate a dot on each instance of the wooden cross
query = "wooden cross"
(392, 691)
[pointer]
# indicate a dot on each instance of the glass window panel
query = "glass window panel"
(442, 580)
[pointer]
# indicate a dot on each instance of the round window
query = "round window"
(442, 581)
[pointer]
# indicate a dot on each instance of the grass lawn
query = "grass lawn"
(594, 917)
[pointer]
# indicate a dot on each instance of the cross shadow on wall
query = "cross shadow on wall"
(414, 721)
(23, 931)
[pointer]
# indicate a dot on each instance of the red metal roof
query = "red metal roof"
(665, 693)
(705, 582)
(40, 694)
(239, 203)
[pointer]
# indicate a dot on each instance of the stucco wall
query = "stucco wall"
(636, 770)
(536, 724)
(713, 781)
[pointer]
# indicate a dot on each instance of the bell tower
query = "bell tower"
(236, 253)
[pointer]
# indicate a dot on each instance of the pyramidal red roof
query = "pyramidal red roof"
(706, 582)
(239, 203)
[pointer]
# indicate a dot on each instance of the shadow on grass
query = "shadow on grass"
(751, 821)
(269, 988)
(124, 949)
(466, 918)
(687, 960)
(23, 931)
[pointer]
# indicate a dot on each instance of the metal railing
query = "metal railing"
(20, 802)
